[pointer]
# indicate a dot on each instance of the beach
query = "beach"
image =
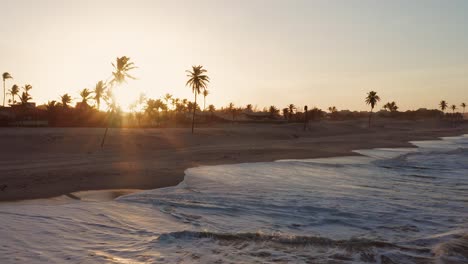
(49, 162)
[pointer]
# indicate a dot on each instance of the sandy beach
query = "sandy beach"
(48, 162)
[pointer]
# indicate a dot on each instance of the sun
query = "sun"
(125, 95)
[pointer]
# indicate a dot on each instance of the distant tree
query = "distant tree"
(286, 113)
(14, 91)
(205, 94)
(453, 107)
(443, 105)
(292, 109)
(24, 98)
(66, 100)
(306, 118)
(249, 108)
(153, 108)
(273, 111)
(174, 102)
(99, 91)
(232, 110)
(372, 99)
(5, 77)
(198, 80)
(51, 105)
(168, 99)
(332, 109)
(463, 105)
(211, 109)
(392, 107)
(85, 96)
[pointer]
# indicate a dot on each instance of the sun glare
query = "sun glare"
(125, 95)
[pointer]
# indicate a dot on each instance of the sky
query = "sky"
(319, 53)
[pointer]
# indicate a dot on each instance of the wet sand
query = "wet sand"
(48, 162)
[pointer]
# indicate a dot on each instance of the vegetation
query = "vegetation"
(198, 80)
(372, 99)
(443, 105)
(171, 111)
(5, 77)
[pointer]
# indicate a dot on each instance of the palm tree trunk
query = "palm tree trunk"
(4, 93)
(370, 116)
(105, 132)
(194, 110)
(204, 103)
(305, 120)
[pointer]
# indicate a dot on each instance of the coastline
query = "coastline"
(62, 161)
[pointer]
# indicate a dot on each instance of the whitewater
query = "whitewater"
(406, 205)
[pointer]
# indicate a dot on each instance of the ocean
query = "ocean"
(407, 205)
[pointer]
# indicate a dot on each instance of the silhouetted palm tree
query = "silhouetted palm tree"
(249, 108)
(463, 105)
(273, 111)
(51, 105)
(443, 105)
(392, 107)
(99, 91)
(286, 113)
(85, 96)
(232, 110)
(14, 91)
(306, 118)
(5, 76)
(372, 99)
(121, 68)
(205, 94)
(197, 80)
(153, 107)
(120, 74)
(66, 100)
(211, 109)
(332, 109)
(292, 109)
(453, 107)
(24, 98)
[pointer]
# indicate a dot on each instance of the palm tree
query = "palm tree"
(292, 109)
(443, 105)
(24, 98)
(332, 109)
(205, 94)
(285, 113)
(99, 91)
(453, 107)
(372, 99)
(197, 80)
(463, 105)
(167, 98)
(392, 107)
(306, 120)
(5, 76)
(120, 75)
(153, 107)
(211, 109)
(66, 100)
(249, 108)
(273, 111)
(232, 110)
(14, 91)
(85, 96)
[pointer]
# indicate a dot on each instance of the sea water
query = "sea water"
(385, 206)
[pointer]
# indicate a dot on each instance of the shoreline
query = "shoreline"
(69, 160)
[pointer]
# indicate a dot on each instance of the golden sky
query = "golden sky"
(319, 53)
